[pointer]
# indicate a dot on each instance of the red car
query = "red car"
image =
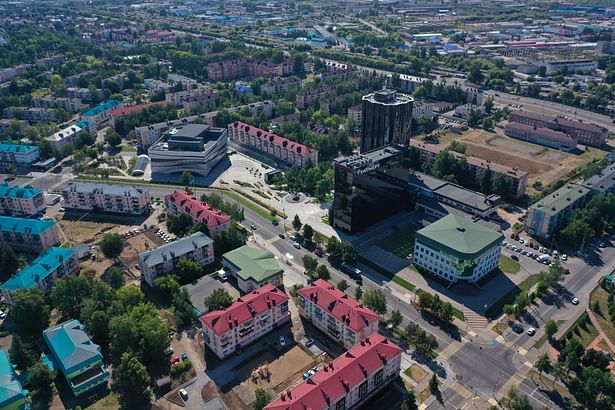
(174, 360)
(318, 252)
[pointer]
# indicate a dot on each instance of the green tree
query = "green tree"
(333, 247)
(168, 285)
(262, 399)
(112, 245)
(179, 224)
(297, 223)
(21, 356)
(488, 123)
(486, 182)
(551, 328)
(30, 313)
(349, 254)
(186, 178)
(543, 364)
(188, 270)
(124, 335)
(509, 310)
(308, 232)
(358, 293)
(502, 186)
(182, 308)
(309, 263)
(473, 118)
(114, 277)
(396, 318)
(113, 138)
(218, 298)
(132, 379)
(69, 293)
(40, 379)
(375, 299)
(342, 285)
(130, 296)
(488, 105)
(322, 272)
(9, 263)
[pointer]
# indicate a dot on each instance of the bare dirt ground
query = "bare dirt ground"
(85, 231)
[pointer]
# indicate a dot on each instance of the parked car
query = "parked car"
(517, 328)
(174, 359)
(574, 301)
(531, 331)
(297, 245)
(282, 341)
(2, 314)
(185, 357)
(318, 252)
(253, 227)
(282, 236)
(169, 351)
(564, 257)
(183, 394)
(514, 257)
(293, 237)
(309, 342)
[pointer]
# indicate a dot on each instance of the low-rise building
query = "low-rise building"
(355, 113)
(125, 110)
(62, 137)
(203, 96)
(43, 272)
(464, 110)
(83, 94)
(250, 317)
(66, 103)
(29, 235)
(21, 201)
(280, 85)
(457, 249)
(79, 359)
(541, 136)
(12, 395)
(305, 98)
(121, 199)
(335, 313)
(163, 260)
(101, 114)
(253, 139)
(31, 114)
(253, 267)
(603, 182)
(348, 381)
(569, 66)
(181, 202)
(186, 82)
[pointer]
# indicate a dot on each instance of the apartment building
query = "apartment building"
(186, 82)
(163, 260)
(255, 140)
(355, 114)
(62, 137)
(78, 358)
(335, 313)
(18, 155)
(31, 114)
(83, 94)
(101, 114)
(15, 396)
(43, 272)
(421, 109)
(181, 202)
(226, 70)
(305, 98)
(106, 198)
(204, 96)
(253, 267)
(28, 235)
(124, 111)
(6, 74)
(156, 86)
(21, 201)
(478, 166)
(542, 136)
(49, 62)
(250, 317)
(587, 134)
(73, 80)
(66, 103)
(279, 85)
(348, 381)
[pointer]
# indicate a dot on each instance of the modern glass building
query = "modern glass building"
(386, 119)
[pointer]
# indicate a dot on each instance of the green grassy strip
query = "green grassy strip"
(403, 282)
(495, 310)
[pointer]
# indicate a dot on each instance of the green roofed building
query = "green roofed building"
(76, 356)
(457, 249)
(253, 267)
(12, 395)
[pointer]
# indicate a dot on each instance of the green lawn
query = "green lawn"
(601, 296)
(508, 265)
(582, 330)
(400, 243)
(128, 148)
(495, 310)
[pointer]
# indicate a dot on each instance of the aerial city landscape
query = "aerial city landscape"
(307, 204)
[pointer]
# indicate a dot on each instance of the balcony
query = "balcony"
(97, 372)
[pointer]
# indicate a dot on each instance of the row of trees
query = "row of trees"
(435, 306)
(313, 180)
(546, 281)
(591, 221)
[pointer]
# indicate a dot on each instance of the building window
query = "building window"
(341, 405)
(363, 389)
(379, 377)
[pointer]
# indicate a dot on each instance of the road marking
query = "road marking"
(500, 339)
(422, 406)
(522, 351)
(528, 364)
(472, 334)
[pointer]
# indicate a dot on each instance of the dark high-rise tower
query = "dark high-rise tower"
(387, 119)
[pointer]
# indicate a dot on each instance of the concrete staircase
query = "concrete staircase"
(475, 320)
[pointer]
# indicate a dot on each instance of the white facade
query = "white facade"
(106, 198)
(68, 134)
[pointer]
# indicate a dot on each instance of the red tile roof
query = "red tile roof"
(243, 309)
(273, 138)
(341, 375)
(127, 109)
(197, 209)
(546, 132)
(339, 305)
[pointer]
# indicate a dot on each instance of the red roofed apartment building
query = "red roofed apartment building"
(272, 145)
(122, 112)
(335, 313)
(248, 318)
(348, 381)
(180, 202)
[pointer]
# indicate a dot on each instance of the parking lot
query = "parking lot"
(523, 247)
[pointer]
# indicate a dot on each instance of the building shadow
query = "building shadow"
(103, 217)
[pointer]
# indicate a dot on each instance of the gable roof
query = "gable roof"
(243, 309)
(100, 108)
(338, 377)
(197, 209)
(175, 249)
(253, 263)
(10, 388)
(24, 225)
(38, 270)
(338, 304)
(273, 138)
(25, 192)
(71, 345)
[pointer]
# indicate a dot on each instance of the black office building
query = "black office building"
(387, 119)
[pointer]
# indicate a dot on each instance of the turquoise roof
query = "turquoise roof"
(10, 388)
(12, 191)
(6, 147)
(83, 124)
(38, 270)
(102, 107)
(24, 225)
(71, 345)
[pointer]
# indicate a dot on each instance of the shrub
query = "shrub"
(181, 367)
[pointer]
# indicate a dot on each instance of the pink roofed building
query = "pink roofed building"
(342, 318)
(251, 138)
(348, 381)
(247, 319)
(181, 202)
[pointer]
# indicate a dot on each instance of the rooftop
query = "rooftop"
(562, 198)
(339, 376)
(17, 148)
(558, 135)
(24, 225)
(345, 309)
(100, 108)
(66, 132)
(125, 110)
(38, 269)
(197, 209)
(603, 181)
(9, 384)
(71, 345)
(16, 192)
(388, 97)
(273, 138)
(175, 249)
(253, 263)
(460, 235)
(107, 189)
(243, 309)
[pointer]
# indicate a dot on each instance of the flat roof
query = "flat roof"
(562, 198)
(603, 181)
(106, 189)
(253, 263)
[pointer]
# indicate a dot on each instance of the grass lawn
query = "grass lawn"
(508, 265)
(600, 295)
(403, 282)
(584, 334)
(400, 242)
(495, 310)
(250, 205)
(128, 148)
(110, 401)
(416, 372)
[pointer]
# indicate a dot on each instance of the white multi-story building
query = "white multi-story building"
(163, 260)
(69, 104)
(106, 198)
(342, 318)
(21, 201)
(247, 319)
(457, 249)
(422, 109)
(199, 95)
(68, 134)
(348, 381)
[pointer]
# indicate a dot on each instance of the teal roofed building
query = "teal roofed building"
(76, 356)
(43, 272)
(30, 235)
(18, 154)
(21, 201)
(253, 267)
(12, 395)
(100, 115)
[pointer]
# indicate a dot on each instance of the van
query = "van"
(222, 275)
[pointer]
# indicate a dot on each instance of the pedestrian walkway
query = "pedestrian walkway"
(601, 334)
(475, 320)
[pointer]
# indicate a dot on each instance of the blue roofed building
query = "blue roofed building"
(18, 155)
(43, 272)
(101, 114)
(12, 395)
(29, 235)
(21, 201)
(76, 356)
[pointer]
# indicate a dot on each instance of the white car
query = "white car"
(531, 331)
(574, 301)
(2, 314)
(282, 341)
(184, 394)
(564, 257)
(297, 245)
